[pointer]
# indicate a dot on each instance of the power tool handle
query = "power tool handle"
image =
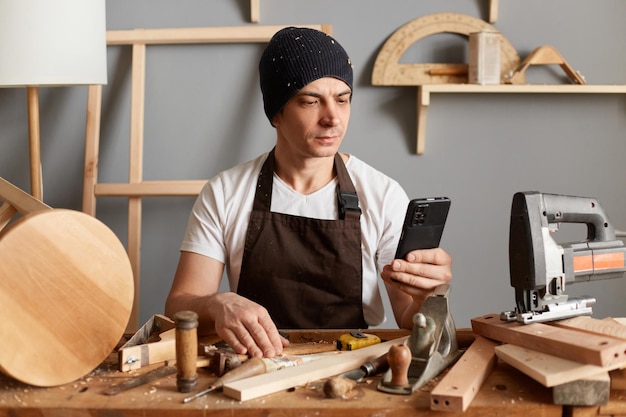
(570, 209)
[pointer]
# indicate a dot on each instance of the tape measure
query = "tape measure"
(356, 340)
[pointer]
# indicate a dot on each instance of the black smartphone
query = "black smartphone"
(423, 224)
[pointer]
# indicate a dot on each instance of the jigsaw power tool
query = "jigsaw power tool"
(540, 267)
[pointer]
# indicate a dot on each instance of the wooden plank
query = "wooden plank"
(283, 379)
(460, 385)
(219, 34)
(151, 188)
(565, 343)
(589, 391)
(549, 370)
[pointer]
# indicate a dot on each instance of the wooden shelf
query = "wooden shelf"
(424, 92)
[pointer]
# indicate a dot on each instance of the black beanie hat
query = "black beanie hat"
(296, 57)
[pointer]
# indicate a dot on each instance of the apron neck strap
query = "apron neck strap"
(347, 199)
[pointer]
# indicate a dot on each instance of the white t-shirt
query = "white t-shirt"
(219, 219)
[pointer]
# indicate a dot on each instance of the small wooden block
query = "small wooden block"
(589, 391)
(460, 385)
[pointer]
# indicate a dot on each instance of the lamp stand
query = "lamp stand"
(36, 187)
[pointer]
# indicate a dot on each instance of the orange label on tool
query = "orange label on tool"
(583, 263)
(598, 262)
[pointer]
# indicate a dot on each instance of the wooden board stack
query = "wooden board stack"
(573, 356)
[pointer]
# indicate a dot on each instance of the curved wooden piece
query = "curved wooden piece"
(388, 71)
(66, 293)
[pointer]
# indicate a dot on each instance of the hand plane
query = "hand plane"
(432, 345)
(540, 267)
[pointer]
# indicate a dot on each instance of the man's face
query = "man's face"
(314, 121)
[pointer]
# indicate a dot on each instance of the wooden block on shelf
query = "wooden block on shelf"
(460, 385)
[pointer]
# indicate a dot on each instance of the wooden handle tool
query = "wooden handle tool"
(186, 350)
(252, 367)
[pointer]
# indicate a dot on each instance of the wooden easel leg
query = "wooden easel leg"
(36, 188)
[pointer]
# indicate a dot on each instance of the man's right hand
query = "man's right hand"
(245, 325)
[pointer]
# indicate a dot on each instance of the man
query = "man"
(303, 231)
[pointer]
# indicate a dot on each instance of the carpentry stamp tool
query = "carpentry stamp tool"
(540, 267)
(432, 345)
(186, 350)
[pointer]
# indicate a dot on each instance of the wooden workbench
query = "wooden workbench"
(506, 392)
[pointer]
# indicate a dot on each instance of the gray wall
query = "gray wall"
(204, 114)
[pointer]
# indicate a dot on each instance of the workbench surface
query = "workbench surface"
(506, 392)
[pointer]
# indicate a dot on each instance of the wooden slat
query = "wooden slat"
(569, 344)
(7, 211)
(549, 370)
(283, 379)
(92, 146)
(135, 174)
(36, 187)
(23, 202)
(222, 34)
(460, 385)
(150, 188)
(255, 6)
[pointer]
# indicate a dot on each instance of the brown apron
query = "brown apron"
(306, 272)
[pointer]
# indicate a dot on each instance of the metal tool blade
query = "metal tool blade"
(153, 375)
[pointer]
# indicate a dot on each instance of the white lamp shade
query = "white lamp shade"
(52, 42)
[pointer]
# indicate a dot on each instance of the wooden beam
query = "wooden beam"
(257, 386)
(460, 385)
(218, 34)
(565, 343)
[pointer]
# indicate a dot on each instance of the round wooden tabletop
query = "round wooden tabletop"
(66, 294)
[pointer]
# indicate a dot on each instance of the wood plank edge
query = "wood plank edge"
(257, 386)
(460, 385)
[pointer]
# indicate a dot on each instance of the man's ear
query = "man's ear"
(276, 119)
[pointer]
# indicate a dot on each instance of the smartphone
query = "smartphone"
(423, 224)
